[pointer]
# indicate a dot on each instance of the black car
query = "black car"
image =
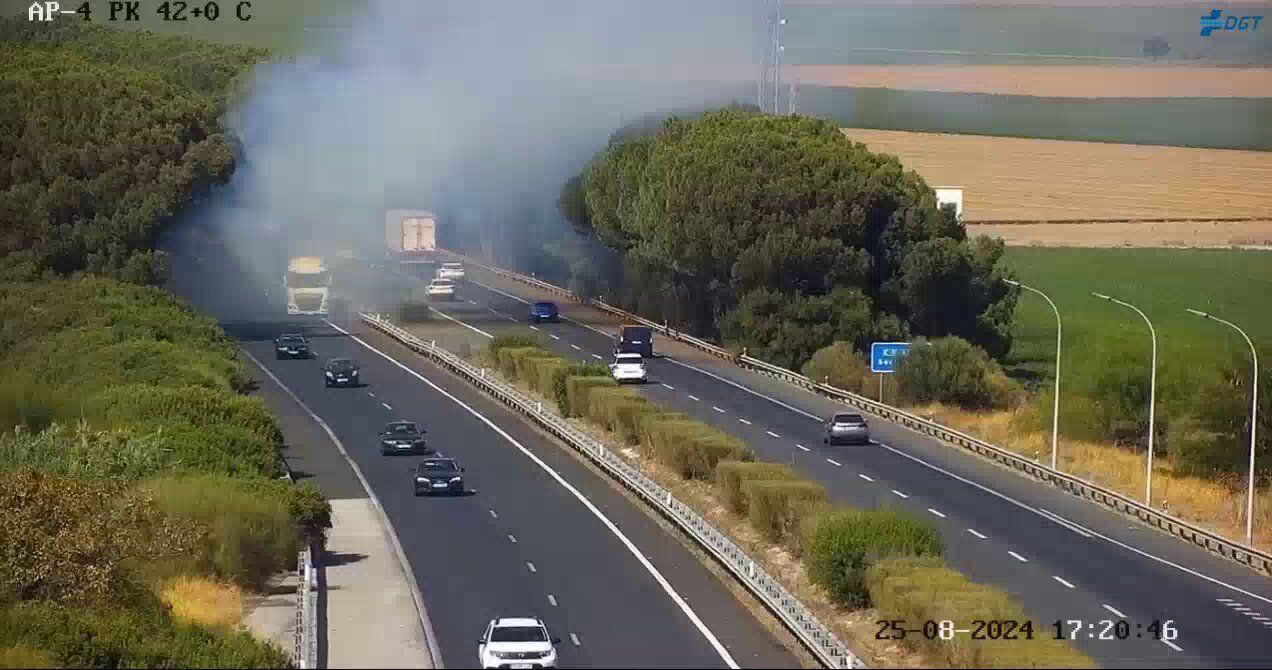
(341, 372)
(438, 475)
(402, 437)
(291, 345)
(635, 340)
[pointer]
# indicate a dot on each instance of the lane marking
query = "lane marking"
(900, 493)
(475, 329)
(417, 596)
(694, 397)
(575, 639)
(1224, 600)
(739, 386)
(1115, 612)
(974, 532)
(1172, 645)
(514, 320)
(494, 514)
(552, 600)
(717, 409)
(745, 421)
(803, 447)
(386, 406)
(1018, 557)
(531, 566)
(577, 347)
(472, 302)
(534, 327)
(631, 546)
(667, 386)
(936, 512)
(555, 337)
(1062, 581)
(772, 434)
(512, 539)
(865, 477)
(597, 357)
(834, 463)
(492, 310)
(1065, 522)
(370, 394)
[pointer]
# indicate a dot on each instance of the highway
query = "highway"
(538, 534)
(1065, 559)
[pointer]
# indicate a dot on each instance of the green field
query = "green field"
(1231, 284)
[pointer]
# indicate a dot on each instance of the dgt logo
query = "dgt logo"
(1213, 21)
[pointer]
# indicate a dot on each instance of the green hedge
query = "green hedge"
(560, 376)
(501, 342)
(729, 476)
(924, 589)
(529, 370)
(692, 449)
(577, 389)
(776, 508)
(138, 403)
(508, 358)
(843, 544)
(20, 656)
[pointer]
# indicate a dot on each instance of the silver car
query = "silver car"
(847, 428)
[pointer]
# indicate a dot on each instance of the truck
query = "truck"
(410, 232)
(635, 340)
(307, 285)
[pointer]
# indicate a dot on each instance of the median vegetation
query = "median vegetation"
(139, 485)
(884, 559)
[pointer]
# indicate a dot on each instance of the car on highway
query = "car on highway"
(635, 340)
(403, 437)
(545, 310)
(451, 271)
(847, 427)
(291, 345)
(628, 368)
(517, 642)
(441, 288)
(438, 475)
(340, 372)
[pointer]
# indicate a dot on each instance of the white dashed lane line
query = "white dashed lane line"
(936, 512)
(834, 463)
(493, 514)
(1018, 557)
(531, 566)
(694, 397)
(512, 539)
(771, 433)
(900, 493)
(472, 302)
(1114, 611)
(1062, 581)
(668, 387)
(800, 446)
(386, 406)
(552, 600)
(865, 477)
(974, 532)
(575, 639)
(745, 421)
(555, 337)
(370, 394)
(597, 357)
(717, 409)
(534, 327)
(577, 347)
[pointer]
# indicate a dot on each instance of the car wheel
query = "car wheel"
(327, 383)
(417, 493)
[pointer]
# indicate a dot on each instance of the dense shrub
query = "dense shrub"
(511, 342)
(547, 370)
(951, 370)
(619, 411)
(131, 638)
(776, 508)
(137, 403)
(508, 357)
(730, 475)
(924, 589)
(650, 422)
(20, 656)
(577, 388)
(840, 366)
(560, 389)
(692, 449)
(528, 370)
(843, 544)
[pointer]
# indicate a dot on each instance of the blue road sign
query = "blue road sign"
(884, 355)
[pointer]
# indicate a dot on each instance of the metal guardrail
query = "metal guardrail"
(1246, 555)
(816, 636)
(305, 652)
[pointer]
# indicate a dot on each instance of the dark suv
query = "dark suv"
(544, 311)
(291, 345)
(438, 475)
(340, 372)
(402, 437)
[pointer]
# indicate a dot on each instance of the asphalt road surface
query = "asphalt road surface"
(1064, 558)
(537, 534)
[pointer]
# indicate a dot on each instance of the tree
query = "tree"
(1156, 47)
(951, 370)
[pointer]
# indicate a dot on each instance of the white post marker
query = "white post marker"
(1254, 418)
(1152, 395)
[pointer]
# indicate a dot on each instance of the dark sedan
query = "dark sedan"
(341, 372)
(544, 311)
(402, 437)
(438, 475)
(291, 345)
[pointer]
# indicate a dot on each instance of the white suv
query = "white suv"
(451, 271)
(517, 643)
(628, 368)
(442, 288)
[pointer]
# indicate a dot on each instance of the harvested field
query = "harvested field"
(1060, 81)
(1193, 234)
(1030, 180)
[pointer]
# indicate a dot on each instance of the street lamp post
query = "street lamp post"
(1254, 418)
(1152, 395)
(1055, 410)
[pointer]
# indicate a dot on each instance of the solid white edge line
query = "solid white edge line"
(1062, 581)
(982, 487)
(631, 546)
(430, 638)
(447, 316)
(1114, 611)
(1065, 522)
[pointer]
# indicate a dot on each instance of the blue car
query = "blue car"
(544, 311)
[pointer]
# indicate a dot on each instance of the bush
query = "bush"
(560, 389)
(548, 369)
(508, 358)
(577, 388)
(840, 366)
(693, 449)
(528, 368)
(25, 657)
(137, 403)
(776, 508)
(511, 342)
(951, 370)
(627, 417)
(924, 589)
(603, 404)
(132, 638)
(650, 422)
(843, 544)
(730, 475)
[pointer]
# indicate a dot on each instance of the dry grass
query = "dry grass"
(1014, 179)
(204, 601)
(1059, 81)
(1217, 506)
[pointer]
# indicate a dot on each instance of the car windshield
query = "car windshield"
(849, 418)
(627, 358)
(441, 282)
(544, 305)
(452, 266)
(291, 339)
(305, 280)
(518, 634)
(438, 466)
(402, 428)
(340, 364)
